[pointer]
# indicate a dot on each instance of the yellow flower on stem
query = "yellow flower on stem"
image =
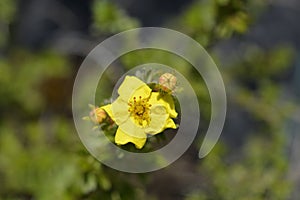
(138, 111)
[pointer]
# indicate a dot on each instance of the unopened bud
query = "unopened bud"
(168, 80)
(98, 115)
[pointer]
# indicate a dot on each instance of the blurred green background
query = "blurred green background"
(256, 46)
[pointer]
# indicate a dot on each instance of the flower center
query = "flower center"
(139, 109)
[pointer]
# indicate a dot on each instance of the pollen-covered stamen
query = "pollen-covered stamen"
(139, 109)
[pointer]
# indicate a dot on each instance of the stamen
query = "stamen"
(140, 111)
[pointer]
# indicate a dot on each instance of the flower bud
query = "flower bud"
(168, 80)
(98, 115)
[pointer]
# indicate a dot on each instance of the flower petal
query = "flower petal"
(158, 116)
(122, 138)
(143, 91)
(170, 124)
(132, 129)
(159, 123)
(165, 100)
(158, 109)
(132, 85)
(120, 111)
(108, 110)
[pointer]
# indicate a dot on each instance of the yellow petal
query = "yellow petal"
(143, 91)
(132, 129)
(170, 124)
(171, 105)
(122, 138)
(158, 109)
(108, 110)
(120, 111)
(158, 118)
(130, 85)
(165, 100)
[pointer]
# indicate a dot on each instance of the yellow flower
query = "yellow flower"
(138, 111)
